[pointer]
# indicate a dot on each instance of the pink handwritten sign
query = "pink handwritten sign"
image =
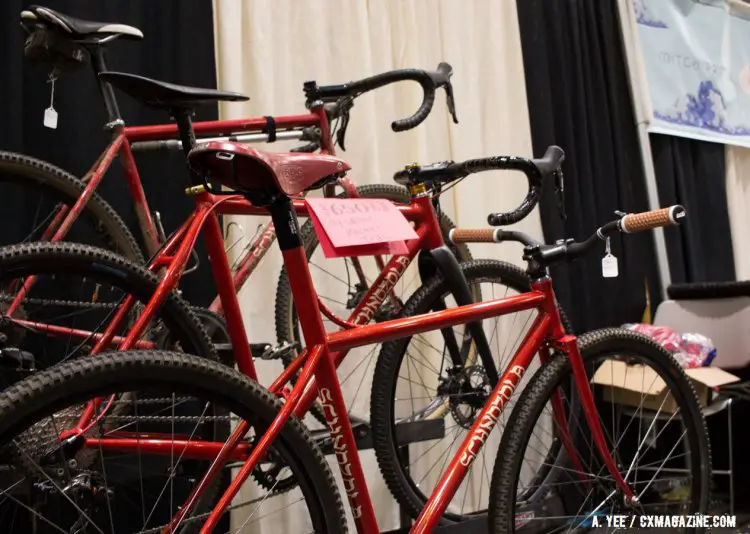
(359, 226)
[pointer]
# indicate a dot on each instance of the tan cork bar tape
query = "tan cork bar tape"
(473, 235)
(638, 222)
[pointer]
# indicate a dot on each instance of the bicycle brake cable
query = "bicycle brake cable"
(450, 186)
(560, 194)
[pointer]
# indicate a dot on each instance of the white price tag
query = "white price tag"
(50, 115)
(609, 266)
(50, 118)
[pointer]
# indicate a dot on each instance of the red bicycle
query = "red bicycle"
(189, 420)
(61, 207)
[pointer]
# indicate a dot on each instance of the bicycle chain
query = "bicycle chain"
(5, 297)
(157, 418)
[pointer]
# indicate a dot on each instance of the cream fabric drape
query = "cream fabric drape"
(268, 48)
(738, 200)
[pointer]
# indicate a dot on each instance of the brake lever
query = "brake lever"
(450, 101)
(442, 78)
(346, 106)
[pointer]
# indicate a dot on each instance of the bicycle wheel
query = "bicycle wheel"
(340, 288)
(43, 188)
(134, 487)
(660, 445)
(78, 289)
(424, 402)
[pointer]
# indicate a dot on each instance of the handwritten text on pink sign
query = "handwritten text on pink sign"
(361, 221)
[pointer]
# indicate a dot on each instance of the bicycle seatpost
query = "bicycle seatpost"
(110, 101)
(183, 118)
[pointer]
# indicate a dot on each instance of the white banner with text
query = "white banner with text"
(696, 57)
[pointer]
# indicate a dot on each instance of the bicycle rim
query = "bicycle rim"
(43, 189)
(660, 446)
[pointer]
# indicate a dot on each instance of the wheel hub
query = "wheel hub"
(467, 389)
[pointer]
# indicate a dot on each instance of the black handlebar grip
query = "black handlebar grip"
(387, 78)
(535, 170)
(421, 114)
(429, 81)
(534, 177)
(520, 213)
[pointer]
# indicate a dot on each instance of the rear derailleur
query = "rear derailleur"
(87, 489)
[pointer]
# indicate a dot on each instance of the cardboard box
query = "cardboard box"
(639, 385)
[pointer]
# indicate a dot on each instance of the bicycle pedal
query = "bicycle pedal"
(224, 350)
(259, 350)
(265, 351)
(362, 438)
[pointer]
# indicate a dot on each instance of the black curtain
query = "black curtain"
(693, 173)
(178, 46)
(578, 98)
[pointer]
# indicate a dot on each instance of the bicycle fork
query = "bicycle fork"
(569, 344)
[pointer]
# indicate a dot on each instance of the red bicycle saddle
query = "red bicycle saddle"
(244, 168)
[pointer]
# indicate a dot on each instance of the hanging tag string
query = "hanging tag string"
(609, 262)
(50, 115)
(51, 80)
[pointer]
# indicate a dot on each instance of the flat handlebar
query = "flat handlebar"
(570, 250)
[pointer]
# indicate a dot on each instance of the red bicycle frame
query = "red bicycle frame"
(125, 139)
(324, 353)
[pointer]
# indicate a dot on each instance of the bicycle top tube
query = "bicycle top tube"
(238, 205)
(220, 127)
